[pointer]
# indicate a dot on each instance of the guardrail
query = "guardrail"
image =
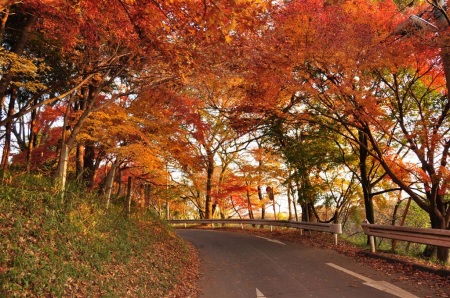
(335, 229)
(437, 237)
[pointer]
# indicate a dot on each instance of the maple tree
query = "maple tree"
(342, 89)
(209, 135)
(349, 86)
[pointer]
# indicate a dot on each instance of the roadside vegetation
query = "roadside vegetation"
(54, 247)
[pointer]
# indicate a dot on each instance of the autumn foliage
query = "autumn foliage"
(204, 105)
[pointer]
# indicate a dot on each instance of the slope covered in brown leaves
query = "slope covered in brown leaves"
(76, 248)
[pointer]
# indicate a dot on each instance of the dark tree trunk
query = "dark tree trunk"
(263, 206)
(301, 201)
(32, 142)
(119, 183)
(8, 130)
(89, 165)
(208, 200)
(289, 202)
(438, 222)
(147, 196)
(249, 206)
(365, 183)
(294, 201)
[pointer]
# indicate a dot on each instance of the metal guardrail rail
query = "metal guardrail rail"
(335, 229)
(437, 237)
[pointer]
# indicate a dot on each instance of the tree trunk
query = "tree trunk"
(261, 200)
(75, 129)
(438, 215)
(119, 182)
(365, 183)
(294, 205)
(394, 216)
(32, 137)
(61, 171)
(209, 177)
(128, 198)
(8, 130)
(249, 206)
(289, 202)
(269, 191)
(22, 133)
(438, 222)
(213, 210)
(301, 202)
(62, 168)
(79, 167)
(89, 165)
(109, 183)
(234, 207)
(294, 201)
(147, 191)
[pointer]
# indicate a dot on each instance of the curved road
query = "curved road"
(237, 265)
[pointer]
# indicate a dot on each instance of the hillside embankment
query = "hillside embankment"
(73, 247)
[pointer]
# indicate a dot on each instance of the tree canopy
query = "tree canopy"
(221, 107)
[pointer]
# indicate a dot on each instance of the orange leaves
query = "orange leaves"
(47, 117)
(402, 169)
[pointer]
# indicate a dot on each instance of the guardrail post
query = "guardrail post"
(335, 239)
(271, 228)
(372, 244)
(242, 226)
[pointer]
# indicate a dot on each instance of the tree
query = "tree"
(390, 103)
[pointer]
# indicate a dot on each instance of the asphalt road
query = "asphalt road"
(237, 265)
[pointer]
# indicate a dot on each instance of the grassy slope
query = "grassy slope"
(75, 248)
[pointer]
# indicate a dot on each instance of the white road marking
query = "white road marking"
(271, 240)
(379, 285)
(259, 294)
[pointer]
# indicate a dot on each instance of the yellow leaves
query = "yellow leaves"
(231, 26)
(23, 70)
(142, 155)
(113, 122)
(228, 39)
(121, 134)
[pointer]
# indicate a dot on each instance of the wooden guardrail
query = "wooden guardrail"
(437, 237)
(335, 229)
